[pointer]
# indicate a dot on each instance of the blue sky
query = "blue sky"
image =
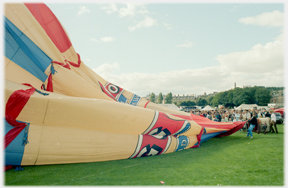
(183, 48)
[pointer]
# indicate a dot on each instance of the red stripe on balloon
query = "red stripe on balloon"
(50, 24)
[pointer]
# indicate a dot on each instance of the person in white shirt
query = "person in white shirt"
(244, 115)
(248, 114)
(237, 115)
(273, 122)
(259, 114)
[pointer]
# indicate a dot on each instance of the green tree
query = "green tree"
(160, 98)
(191, 103)
(152, 97)
(168, 98)
(210, 100)
(229, 100)
(201, 102)
(183, 103)
(215, 100)
(187, 103)
(262, 95)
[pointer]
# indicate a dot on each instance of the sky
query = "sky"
(184, 48)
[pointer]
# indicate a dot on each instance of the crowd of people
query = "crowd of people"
(232, 115)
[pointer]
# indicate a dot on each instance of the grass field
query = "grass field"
(233, 160)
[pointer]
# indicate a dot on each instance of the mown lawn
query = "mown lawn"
(233, 160)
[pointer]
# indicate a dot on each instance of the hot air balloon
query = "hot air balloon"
(57, 110)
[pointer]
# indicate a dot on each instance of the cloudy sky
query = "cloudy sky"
(183, 48)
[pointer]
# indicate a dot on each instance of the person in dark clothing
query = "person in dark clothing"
(273, 122)
(218, 116)
(253, 122)
(268, 114)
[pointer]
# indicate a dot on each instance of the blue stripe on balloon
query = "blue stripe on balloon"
(15, 150)
(24, 52)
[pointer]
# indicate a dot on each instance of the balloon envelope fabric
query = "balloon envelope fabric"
(57, 110)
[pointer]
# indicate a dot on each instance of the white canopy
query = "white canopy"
(246, 106)
(207, 108)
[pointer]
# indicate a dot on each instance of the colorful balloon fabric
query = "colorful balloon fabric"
(57, 110)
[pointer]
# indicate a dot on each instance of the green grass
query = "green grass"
(232, 160)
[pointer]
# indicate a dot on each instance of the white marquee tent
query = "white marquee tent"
(246, 107)
(207, 108)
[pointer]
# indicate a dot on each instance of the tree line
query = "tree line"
(168, 98)
(234, 97)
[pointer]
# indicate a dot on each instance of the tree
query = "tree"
(187, 103)
(210, 100)
(168, 98)
(183, 103)
(160, 98)
(201, 102)
(215, 100)
(263, 96)
(191, 103)
(152, 97)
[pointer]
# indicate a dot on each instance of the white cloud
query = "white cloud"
(111, 8)
(168, 26)
(147, 22)
(83, 10)
(271, 19)
(103, 39)
(187, 44)
(131, 10)
(106, 68)
(262, 65)
(107, 39)
(260, 58)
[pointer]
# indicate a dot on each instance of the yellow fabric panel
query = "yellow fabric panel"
(192, 141)
(21, 17)
(74, 85)
(32, 148)
(15, 73)
(71, 55)
(214, 130)
(95, 114)
(194, 130)
(76, 145)
(142, 102)
(172, 145)
(6, 61)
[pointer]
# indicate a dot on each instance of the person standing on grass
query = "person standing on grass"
(209, 115)
(237, 116)
(252, 122)
(273, 122)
